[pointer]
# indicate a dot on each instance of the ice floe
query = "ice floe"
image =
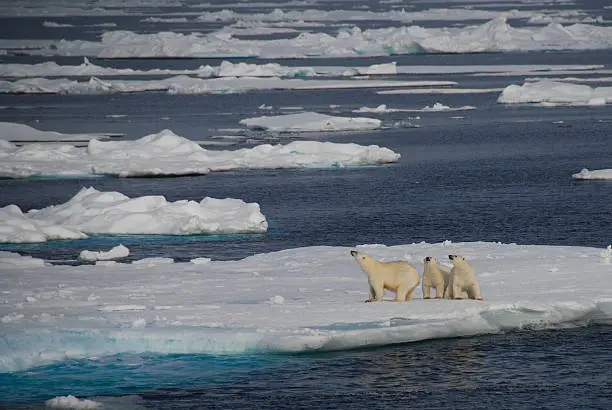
(436, 107)
(593, 174)
(493, 36)
(549, 93)
(117, 252)
(310, 122)
(92, 212)
(14, 132)
(229, 69)
(183, 84)
(168, 154)
(296, 300)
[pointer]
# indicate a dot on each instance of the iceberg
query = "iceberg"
(168, 154)
(548, 92)
(92, 212)
(277, 302)
(593, 174)
(310, 122)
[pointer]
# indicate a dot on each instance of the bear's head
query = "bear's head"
(361, 257)
(457, 259)
(429, 259)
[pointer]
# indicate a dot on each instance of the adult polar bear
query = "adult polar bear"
(462, 279)
(397, 276)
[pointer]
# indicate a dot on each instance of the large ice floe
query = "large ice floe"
(91, 212)
(168, 154)
(296, 300)
(14, 132)
(183, 84)
(593, 174)
(550, 93)
(309, 122)
(494, 36)
(242, 69)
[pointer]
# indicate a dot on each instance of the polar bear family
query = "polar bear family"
(402, 278)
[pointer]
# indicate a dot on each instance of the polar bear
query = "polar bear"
(397, 276)
(435, 277)
(462, 279)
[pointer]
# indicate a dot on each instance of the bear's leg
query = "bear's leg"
(378, 289)
(426, 292)
(439, 291)
(474, 292)
(372, 293)
(457, 291)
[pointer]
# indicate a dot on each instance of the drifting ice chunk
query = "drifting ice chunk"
(310, 122)
(555, 92)
(117, 252)
(595, 174)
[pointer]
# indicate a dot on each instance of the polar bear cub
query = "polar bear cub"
(397, 276)
(434, 277)
(462, 279)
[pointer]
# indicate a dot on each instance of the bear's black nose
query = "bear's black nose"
(353, 253)
(427, 258)
(451, 257)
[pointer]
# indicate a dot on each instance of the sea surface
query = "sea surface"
(496, 173)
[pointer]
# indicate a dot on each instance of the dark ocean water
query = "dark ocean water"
(544, 369)
(498, 173)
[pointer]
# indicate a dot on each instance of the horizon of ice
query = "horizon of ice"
(168, 154)
(550, 93)
(229, 69)
(599, 174)
(295, 300)
(93, 212)
(183, 84)
(310, 122)
(493, 36)
(436, 107)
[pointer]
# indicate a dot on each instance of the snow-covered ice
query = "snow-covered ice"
(593, 174)
(72, 403)
(14, 132)
(168, 154)
(92, 212)
(229, 69)
(310, 122)
(116, 252)
(436, 107)
(183, 84)
(549, 93)
(496, 35)
(304, 299)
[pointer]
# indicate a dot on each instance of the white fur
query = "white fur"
(397, 276)
(462, 279)
(434, 277)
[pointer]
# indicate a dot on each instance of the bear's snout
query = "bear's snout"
(427, 258)
(451, 257)
(353, 253)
